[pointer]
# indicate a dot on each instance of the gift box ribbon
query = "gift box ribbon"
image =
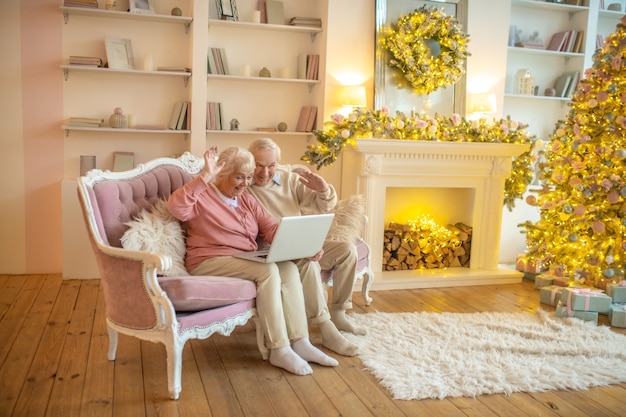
(586, 292)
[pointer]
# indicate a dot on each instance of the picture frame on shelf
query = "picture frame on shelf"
(142, 6)
(119, 53)
(227, 10)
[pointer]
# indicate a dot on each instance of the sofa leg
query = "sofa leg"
(368, 280)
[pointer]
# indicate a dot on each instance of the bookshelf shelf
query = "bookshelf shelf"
(559, 7)
(68, 128)
(545, 52)
(529, 97)
(313, 31)
(257, 133)
(161, 18)
(86, 68)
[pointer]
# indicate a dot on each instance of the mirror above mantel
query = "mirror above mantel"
(391, 89)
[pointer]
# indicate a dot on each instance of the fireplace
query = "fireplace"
(373, 166)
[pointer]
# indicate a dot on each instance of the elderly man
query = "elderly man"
(284, 193)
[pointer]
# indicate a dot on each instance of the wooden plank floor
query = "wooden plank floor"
(53, 346)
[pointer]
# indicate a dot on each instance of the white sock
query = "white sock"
(343, 323)
(285, 358)
(310, 353)
(335, 341)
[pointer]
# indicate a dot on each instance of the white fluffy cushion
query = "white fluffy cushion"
(158, 231)
(349, 219)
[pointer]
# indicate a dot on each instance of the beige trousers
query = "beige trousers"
(279, 299)
(342, 256)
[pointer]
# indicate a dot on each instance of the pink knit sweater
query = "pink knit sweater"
(214, 228)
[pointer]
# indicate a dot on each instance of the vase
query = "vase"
(118, 120)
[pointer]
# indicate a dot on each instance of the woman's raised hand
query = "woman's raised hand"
(211, 165)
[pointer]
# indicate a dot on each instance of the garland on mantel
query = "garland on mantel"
(378, 124)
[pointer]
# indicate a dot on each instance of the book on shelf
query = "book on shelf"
(275, 12)
(561, 84)
(312, 66)
(557, 41)
(575, 77)
(178, 106)
(174, 69)
(85, 60)
(310, 123)
(85, 121)
(180, 124)
(531, 45)
(214, 116)
(302, 58)
(93, 4)
(261, 6)
(266, 129)
(217, 63)
(578, 42)
(599, 41)
(303, 118)
(306, 21)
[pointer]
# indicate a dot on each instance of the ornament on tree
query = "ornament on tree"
(583, 201)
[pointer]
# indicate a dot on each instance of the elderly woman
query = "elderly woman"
(223, 220)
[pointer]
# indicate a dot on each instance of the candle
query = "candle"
(245, 70)
(256, 16)
(148, 65)
(284, 72)
(132, 121)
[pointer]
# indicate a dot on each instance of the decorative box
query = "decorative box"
(563, 311)
(543, 281)
(617, 292)
(561, 281)
(531, 266)
(617, 315)
(586, 299)
(550, 294)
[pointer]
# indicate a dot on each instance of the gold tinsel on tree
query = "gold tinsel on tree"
(582, 226)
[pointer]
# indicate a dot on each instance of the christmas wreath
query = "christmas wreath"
(428, 47)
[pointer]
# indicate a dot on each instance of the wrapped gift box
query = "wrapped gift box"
(561, 281)
(617, 292)
(531, 266)
(543, 280)
(586, 299)
(564, 311)
(617, 315)
(550, 294)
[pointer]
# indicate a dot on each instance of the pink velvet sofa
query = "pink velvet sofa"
(146, 294)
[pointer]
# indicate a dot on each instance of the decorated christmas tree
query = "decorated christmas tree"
(581, 232)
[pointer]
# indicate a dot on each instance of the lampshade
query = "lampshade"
(483, 103)
(353, 96)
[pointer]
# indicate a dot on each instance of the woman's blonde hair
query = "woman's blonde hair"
(235, 159)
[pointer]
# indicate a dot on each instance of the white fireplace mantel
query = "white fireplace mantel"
(373, 165)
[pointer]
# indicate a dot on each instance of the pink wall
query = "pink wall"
(42, 107)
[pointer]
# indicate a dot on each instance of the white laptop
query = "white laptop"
(297, 237)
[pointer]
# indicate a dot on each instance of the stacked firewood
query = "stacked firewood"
(407, 248)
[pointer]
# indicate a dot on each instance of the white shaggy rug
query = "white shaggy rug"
(438, 355)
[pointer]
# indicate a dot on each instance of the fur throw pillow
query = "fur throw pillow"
(349, 219)
(158, 231)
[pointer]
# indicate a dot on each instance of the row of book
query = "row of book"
(85, 122)
(566, 83)
(308, 66)
(92, 4)
(85, 60)
(181, 116)
(306, 120)
(216, 60)
(314, 22)
(214, 116)
(567, 41)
